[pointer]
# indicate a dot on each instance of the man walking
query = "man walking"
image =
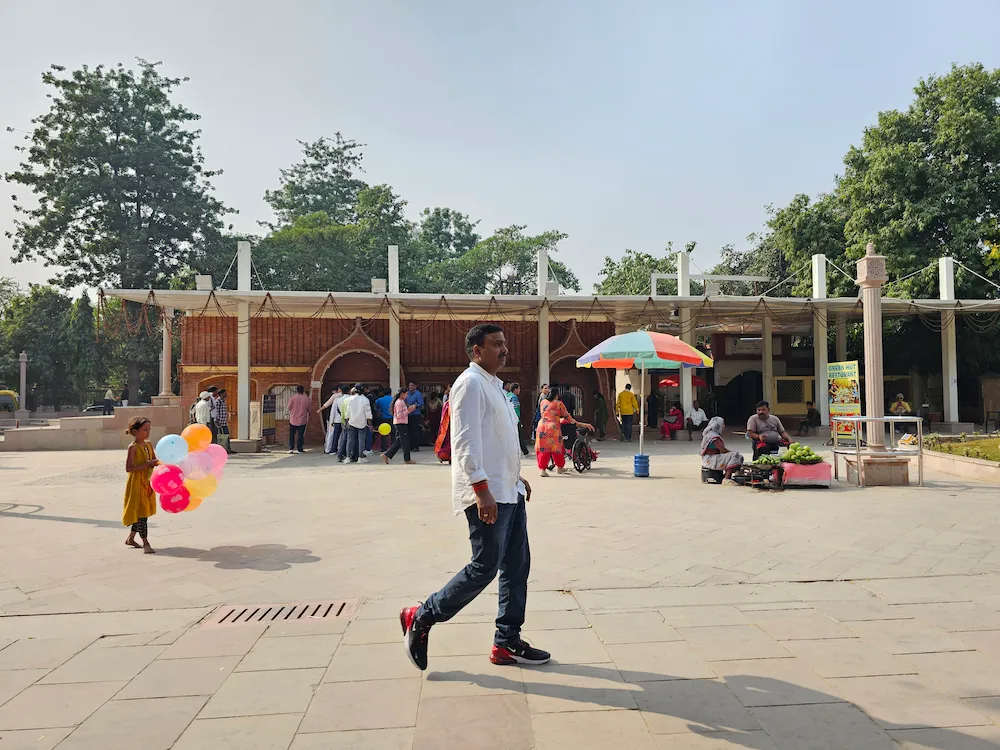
(514, 396)
(415, 398)
(299, 407)
(487, 487)
(213, 402)
(109, 403)
(333, 425)
(222, 420)
(359, 420)
(626, 406)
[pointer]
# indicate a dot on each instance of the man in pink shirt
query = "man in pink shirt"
(299, 407)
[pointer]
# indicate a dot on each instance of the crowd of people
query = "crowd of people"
(212, 410)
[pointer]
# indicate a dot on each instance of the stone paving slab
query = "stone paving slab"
(848, 619)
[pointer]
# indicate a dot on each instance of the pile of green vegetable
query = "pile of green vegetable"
(767, 460)
(801, 454)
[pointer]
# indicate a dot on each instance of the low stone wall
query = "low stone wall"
(94, 432)
(962, 466)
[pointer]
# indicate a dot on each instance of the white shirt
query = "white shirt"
(213, 405)
(202, 412)
(333, 404)
(109, 395)
(697, 416)
(484, 443)
(359, 411)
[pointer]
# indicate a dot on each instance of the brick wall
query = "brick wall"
(430, 352)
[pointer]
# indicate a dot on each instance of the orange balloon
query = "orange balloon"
(198, 437)
(193, 503)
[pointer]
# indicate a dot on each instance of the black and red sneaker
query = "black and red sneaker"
(414, 636)
(519, 652)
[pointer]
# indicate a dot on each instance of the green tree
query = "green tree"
(630, 274)
(926, 182)
(324, 181)
(449, 232)
(86, 360)
(123, 196)
(800, 230)
(506, 263)
(9, 289)
(38, 323)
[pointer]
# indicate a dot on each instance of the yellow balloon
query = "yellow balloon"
(202, 488)
(195, 502)
(384, 428)
(198, 437)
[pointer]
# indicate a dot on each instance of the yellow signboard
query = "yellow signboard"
(845, 394)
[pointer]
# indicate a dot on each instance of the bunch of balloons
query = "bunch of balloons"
(190, 468)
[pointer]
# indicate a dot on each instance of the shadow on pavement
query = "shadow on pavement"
(258, 557)
(34, 512)
(764, 693)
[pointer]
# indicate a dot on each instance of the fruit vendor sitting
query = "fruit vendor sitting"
(714, 453)
(766, 431)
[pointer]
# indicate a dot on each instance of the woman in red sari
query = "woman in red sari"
(548, 437)
(442, 446)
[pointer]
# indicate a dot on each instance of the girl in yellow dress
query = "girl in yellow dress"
(140, 500)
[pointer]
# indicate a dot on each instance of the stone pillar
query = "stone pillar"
(243, 341)
(949, 343)
(541, 280)
(166, 354)
(841, 337)
(687, 329)
(394, 355)
(767, 358)
(820, 353)
(871, 276)
(22, 405)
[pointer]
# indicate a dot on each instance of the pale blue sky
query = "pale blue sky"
(623, 124)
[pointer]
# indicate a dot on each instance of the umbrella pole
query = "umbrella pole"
(642, 407)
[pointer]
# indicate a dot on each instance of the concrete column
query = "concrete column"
(871, 276)
(394, 356)
(949, 343)
(243, 341)
(687, 329)
(22, 410)
(542, 270)
(841, 337)
(166, 386)
(820, 354)
(767, 358)
(543, 344)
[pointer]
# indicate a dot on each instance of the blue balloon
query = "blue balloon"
(171, 449)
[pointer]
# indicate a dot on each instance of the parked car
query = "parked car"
(99, 407)
(8, 401)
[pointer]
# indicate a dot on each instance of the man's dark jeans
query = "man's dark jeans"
(293, 430)
(502, 546)
(352, 446)
(627, 420)
(416, 431)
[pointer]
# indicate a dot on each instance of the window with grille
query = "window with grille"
(281, 393)
(790, 392)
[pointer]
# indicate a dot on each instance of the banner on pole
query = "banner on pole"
(845, 394)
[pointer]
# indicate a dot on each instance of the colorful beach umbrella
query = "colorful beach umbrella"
(648, 350)
(673, 381)
(645, 350)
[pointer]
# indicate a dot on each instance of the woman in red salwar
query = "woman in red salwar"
(548, 438)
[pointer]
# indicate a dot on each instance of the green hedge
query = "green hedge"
(987, 449)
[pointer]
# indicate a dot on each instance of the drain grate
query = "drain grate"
(250, 614)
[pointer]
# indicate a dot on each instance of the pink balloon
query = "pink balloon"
(218, 455)
(166, 479)
(177, 501)
(217, 473)
(197, 465)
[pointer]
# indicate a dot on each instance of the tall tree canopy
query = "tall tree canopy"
(123, 195)
(325, 180)
(630, 274)
(505, 263)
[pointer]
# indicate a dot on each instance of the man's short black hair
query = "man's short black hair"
(477, 335)
(223, 391)
(765, 404)
(300, 389)
(628, 386)
(213, 388)
(514, 387)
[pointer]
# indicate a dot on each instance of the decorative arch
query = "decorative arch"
(358, 341)
(573, 347)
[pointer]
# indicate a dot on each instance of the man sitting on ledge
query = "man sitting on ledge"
(813, 419)
(766, 431)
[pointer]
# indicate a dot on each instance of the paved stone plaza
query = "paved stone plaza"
(679, 615)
